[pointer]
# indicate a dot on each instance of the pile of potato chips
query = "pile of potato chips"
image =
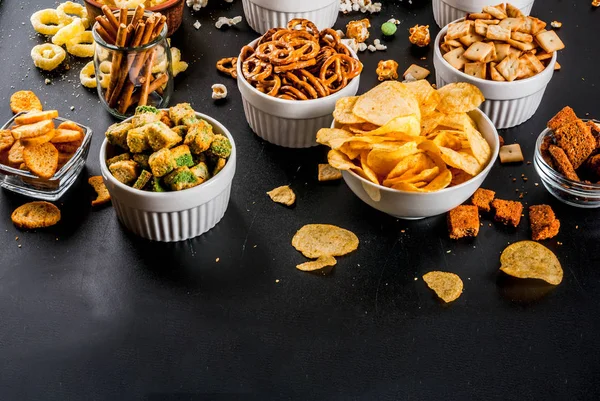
(409, 136)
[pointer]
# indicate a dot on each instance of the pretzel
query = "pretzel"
(228, 66)
(305, 25)
(256, 70)
(304, 86)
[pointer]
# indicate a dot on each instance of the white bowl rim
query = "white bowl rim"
(487, 168)
(438, 54)
(189, 191)
(285, 101)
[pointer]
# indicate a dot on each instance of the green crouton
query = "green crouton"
(220, 146)
(180, 130)
(181, 178)
(116, 134)
(142, 160)
(118, 158)
(137, 140)
(165, 119)
(124, 171)
(144, 115)
(160, 136)
(156, 185)
(182, 156)
(200, 170)
(161, 162)
(199, 137)
(145, 109)
(142, 180)
(219, 166)
(181, 112)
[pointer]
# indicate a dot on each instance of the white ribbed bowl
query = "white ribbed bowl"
(263, 15)
(172, 216)
(446, 11)
(289, 123)
(417, 205)
(507, 104)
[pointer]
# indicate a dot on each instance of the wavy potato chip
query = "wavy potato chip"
(479, 146)
(386, 101)
(325, 136)
(371, 175)
(316, 240)
(397, 127)
(459, 97)
(461, 160)
(343, 111)
(529, 259)
(426, 95)
(447, 286)
(321, 262)
(418, 161)
(383, 161)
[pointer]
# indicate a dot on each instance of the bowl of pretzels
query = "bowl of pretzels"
(291, 78)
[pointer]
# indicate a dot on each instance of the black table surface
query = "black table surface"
(90, 311)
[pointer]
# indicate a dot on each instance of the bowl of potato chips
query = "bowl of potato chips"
(409, 150)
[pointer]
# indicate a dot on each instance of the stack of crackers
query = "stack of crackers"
(500, 44)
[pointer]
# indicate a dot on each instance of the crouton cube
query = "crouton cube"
(161, 162)
(125, 171)
(576, 140)
(181, 178)
(137, 140)
(116, 134)
(563, 117)
(543, 222)
(507, 212)
(482, 198)
(142, 180)
(562, 163)
(199, 137)
(160, 136)
(182, 156)
(463, 221)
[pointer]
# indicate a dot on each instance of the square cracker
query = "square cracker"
(497, 32)
(476, 16)
(471, 38)
(523, 46)
(478, 51)
(549, 41)
(417, 72)
(495, 12)
(535, 62)
(477, 70)
(502, 50)
(494, 74)
(513, 12)
(458, 30)
(455, 58)
(509, 67)
(512, 23)
(480, 28)
(521, 37)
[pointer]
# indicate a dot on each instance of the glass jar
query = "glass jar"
(136, 74)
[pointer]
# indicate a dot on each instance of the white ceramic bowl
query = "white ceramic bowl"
(289, 123)
(263, 15)
(446, 11)
(507, 104)
(172, 216)
(417, 205)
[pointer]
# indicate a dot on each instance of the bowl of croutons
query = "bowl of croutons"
(168, 172)
(567, 159)
(446, 11)
(263, 15)
(510, 58)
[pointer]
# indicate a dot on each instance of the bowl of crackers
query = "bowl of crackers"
(42, 154)
(412, 151)
(446, 11)
(510, 57)
(263, 15)
(290, 80)
(567, 159)
(169, 172)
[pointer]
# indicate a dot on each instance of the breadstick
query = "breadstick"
(110, 17)
(105, 35)
(159, 26)
(137, 16)
(116, 61)
(123, 16)
(103, 22)
(155, 85)
(146, 79)
(124, 72)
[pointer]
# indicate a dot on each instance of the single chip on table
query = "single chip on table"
(321, 262)
(459, 97)
(529, 259)
(283, 195)
(315, 240)
(447, 286)
(328, 173)
(97, 182)
(37, 214)
(24, 101)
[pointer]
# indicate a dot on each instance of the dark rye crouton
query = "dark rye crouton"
(576, 139)
(482, 198)
(507, 212)
(562, 163)
(463, 221)
(545, 152)
(565, 116)
(543, 222)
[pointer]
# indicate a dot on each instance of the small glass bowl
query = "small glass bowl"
(571, 192)
(25, 183)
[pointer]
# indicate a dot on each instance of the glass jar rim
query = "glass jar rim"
(159, 38)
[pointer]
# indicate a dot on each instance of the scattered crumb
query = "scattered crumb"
(277, 280)
(217, 260)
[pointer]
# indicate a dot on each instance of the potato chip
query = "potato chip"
(418, 161)
(328, 173)
(343, 111)
(383, 161)
(326, 135)
(340, 161)
(459, 176)
(479, 146)
(371, 176)
(459, 97)
(283, 195)
(397, 127)
(430, 123)
(461, 160)
(316, 240)
(321, 262)
(386, 101)
(449, 139)
(529, 259)
(447, 286)
(427, 97)
(439, 182)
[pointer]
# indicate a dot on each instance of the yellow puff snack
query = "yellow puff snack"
(68, 32)
(178, 65)
(47, 56)
(87, 76)
(67, 9)
(46, 22)
(82, 45)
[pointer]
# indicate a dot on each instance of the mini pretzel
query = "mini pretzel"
(303, 85)
(228, 66)
(256, 70)
(297, 93)
(305, 25)
(330, 37)
(295, 66)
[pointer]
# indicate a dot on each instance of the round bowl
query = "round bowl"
(507, 104)
(263, 15)
(172, 216)
(417, 205)
(172, 9)
(571, 192)
(446, 11)
(289, 123)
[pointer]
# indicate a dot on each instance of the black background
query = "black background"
(89, 311)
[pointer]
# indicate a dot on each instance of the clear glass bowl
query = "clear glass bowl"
(136, 73)
(25, 183)
(572, 193)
